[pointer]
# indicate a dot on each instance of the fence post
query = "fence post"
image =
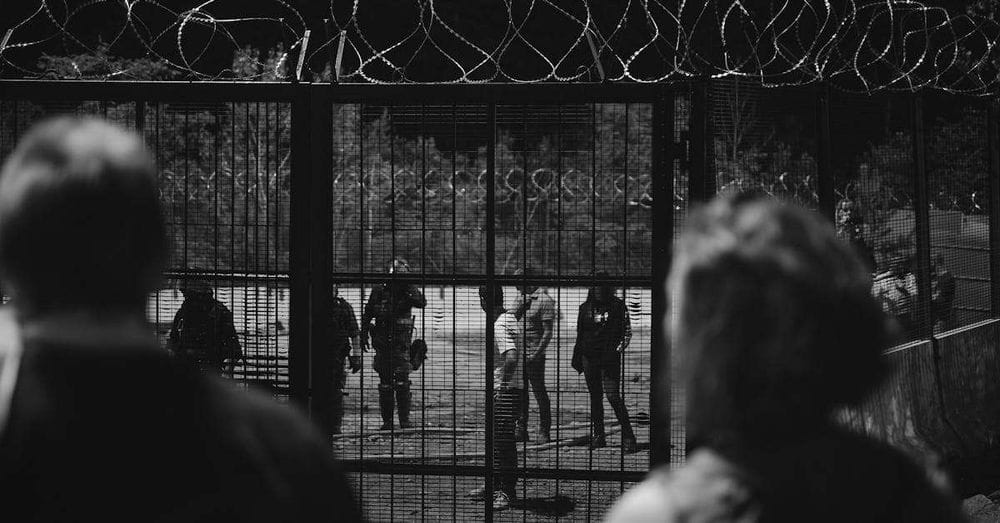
(701, 183)
(993, 135)
(825, 181)
(298, 247)
(922, 217)
(663, 233)
(322, 359)
(490, 225)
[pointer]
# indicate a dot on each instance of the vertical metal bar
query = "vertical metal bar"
(922, 215)
(187, 177)
(362, 251)
(663, 227)
(215, 217)
(454, 300)
(298, 250)
(625, 261)
(698, 174)
(993, 142)
(491, 131)
(321, 252)
(823, 155)
(140, 118)
(559, 260)
(423, 274)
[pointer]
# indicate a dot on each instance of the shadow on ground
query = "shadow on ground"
(555, 506)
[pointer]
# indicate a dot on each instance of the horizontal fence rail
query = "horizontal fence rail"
(276, 194)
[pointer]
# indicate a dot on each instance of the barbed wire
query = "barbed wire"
(859, 45)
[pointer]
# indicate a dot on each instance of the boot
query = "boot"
(385, 404)
(403, 403)
(629, 445)
(598, 438)
(520, 433)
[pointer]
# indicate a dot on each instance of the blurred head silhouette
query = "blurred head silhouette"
(80, 220)
(775, 321)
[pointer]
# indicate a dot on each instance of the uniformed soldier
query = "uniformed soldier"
(203, 333)
(390, 308)
(345, 345)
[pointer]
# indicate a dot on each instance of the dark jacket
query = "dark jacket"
(122, 432)
(344, 326)
(833, 477)
(601, 328)
(390, 302)
(203, 333)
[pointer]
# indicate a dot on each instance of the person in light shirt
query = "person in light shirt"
(508, 390)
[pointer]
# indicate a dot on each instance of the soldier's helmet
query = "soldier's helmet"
(398, 266)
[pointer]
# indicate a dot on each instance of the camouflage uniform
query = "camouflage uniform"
(390, 307)
(203, 333)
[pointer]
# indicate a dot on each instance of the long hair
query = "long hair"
(774, 319)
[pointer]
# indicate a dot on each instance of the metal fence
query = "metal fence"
(278, 193)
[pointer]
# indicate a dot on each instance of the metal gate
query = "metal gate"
(277, 193)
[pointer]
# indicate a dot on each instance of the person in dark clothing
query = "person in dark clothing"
(778, 330)
(850, 228)
(603, 332)
(203, 333)
(345, 344)
(390, 307)
(942, 295)
(102, 424)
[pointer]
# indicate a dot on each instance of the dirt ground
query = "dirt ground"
(449, 410)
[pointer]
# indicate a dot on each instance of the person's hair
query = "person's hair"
(484, 297)
(603, 286)
(80, 219)
(775, 321)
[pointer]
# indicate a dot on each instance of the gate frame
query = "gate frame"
(311, 217)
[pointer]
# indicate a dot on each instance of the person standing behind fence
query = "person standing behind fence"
(508, 389)
(203, 333)
(102, 424)
(778, 330)
(390, 307)
(896, 290)
(943, 295)
(537, 315)
(345, 344)
(603, 332)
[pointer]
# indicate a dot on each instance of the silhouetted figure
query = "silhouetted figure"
(603, 332)
(203, 334)
(390, 307)
(537, 315)
(508, 389)
(345, 347)
(103, 425)
(943, 295)
(896, 290)
(778, 329)
(850, 228)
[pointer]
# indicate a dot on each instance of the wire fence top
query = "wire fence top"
(859, 45)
